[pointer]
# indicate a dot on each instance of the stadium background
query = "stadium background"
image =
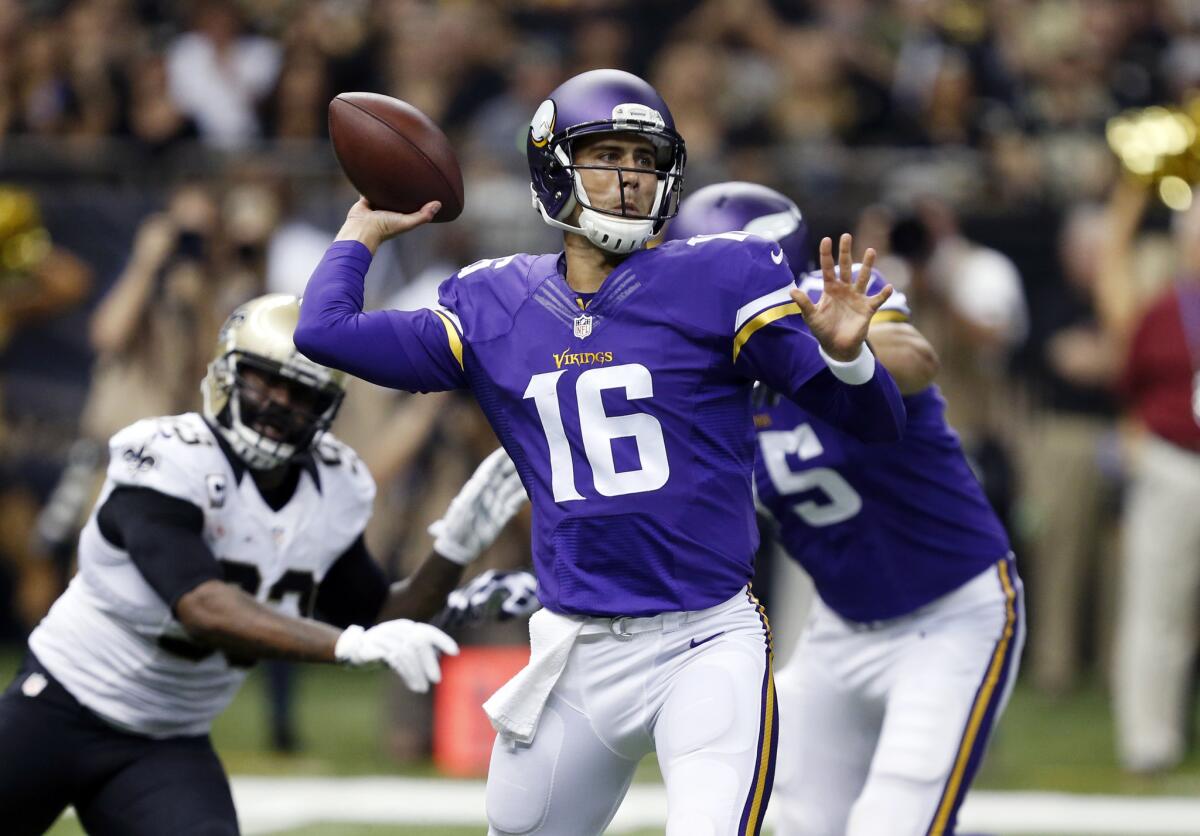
(162, 161)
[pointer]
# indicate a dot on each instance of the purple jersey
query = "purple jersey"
(882, 529)
(629, 418)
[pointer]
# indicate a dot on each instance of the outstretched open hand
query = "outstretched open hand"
(840, 318)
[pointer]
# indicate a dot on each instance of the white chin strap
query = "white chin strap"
(620, 236)
(616, 235)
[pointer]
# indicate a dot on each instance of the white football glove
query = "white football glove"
(407, 647)
(492, 594)
(483, 507)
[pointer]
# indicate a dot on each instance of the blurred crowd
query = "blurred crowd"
(964, 139)
(1028, 83)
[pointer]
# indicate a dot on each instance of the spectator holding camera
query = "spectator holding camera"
(149, 332)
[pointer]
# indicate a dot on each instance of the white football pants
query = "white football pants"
(695, 687)
(883, 726)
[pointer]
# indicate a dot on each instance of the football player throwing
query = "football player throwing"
(215, 539)
(619, 380)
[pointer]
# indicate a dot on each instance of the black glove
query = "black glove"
(491, 595)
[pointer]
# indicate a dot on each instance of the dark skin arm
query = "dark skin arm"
(224, 617)
(422, 594)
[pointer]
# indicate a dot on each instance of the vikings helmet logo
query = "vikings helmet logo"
(542, 126)
(776, 226)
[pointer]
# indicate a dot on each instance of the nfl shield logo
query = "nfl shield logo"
(583, 325)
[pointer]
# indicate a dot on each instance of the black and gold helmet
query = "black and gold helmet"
(255, 353)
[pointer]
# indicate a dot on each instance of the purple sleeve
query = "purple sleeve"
(772, 344)
(785, 357)
(419, 351)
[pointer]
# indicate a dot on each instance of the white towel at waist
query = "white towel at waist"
(516, 708)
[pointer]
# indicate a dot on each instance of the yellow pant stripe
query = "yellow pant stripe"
(982, 701)
(757, 806)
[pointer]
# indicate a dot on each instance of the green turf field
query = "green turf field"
(1043, 744)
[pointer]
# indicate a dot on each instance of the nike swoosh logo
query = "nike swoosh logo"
(777, 257)
(710, 638)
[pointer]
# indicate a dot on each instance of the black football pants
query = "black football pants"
(54, 752)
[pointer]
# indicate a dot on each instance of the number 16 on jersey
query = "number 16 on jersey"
(599, 430)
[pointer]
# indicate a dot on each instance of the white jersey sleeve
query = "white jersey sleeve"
(170, 455)
(348, 490)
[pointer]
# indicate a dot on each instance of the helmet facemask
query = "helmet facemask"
(262, 431)
(623, 231)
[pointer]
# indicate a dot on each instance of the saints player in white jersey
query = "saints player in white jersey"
(214, 540)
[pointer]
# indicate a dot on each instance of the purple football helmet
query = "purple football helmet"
(602, 101)
(747, 207)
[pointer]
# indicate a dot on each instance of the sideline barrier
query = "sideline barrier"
(462, 734)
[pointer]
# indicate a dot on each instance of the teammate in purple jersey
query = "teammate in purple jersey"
(619, 378)
(912, 649)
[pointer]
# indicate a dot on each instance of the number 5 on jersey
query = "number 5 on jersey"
(832, 500)
(599, 430)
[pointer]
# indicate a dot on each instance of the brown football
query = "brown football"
(394, 154)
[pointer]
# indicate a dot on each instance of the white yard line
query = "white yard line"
(267, 805)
